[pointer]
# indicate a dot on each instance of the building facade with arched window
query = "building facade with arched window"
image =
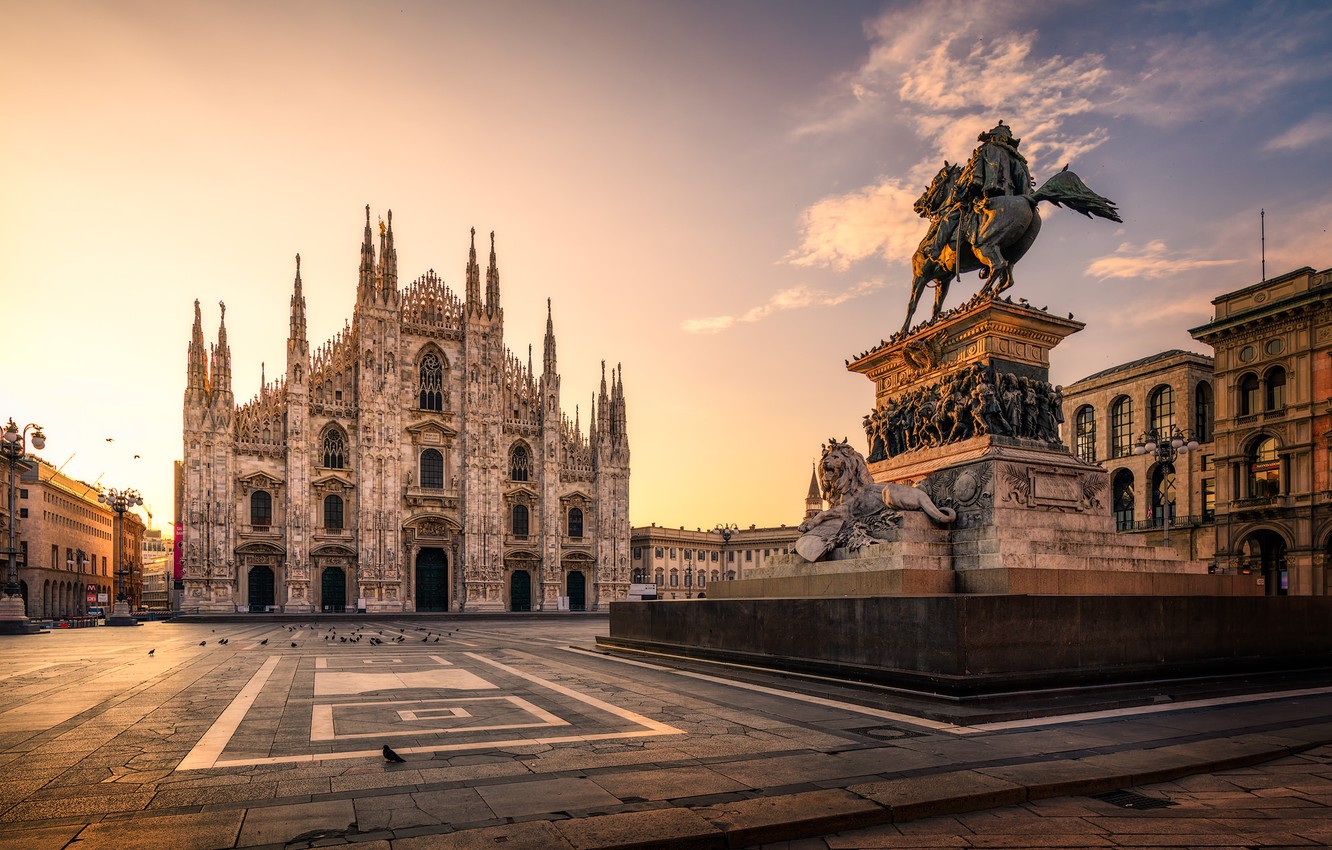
(1273, 390)
(410, 463)
(1166, 392)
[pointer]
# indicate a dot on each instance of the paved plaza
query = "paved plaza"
(515, 733)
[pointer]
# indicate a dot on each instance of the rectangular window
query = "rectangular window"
(23, 552)
(23, 513)
(675, 579)
(714, 557)
(689, 554)
(672, 551)
(1206, 463)
(659, 552)
(749, 554)
(55, 557)
(638, 553)
(730, 557)
(23, 492)
(1209, 499)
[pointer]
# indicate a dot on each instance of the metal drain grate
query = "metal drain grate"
(885, 733)
(1133, 800)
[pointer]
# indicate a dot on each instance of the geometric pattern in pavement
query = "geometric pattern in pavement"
(319, 707)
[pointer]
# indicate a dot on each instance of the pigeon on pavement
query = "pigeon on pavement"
(391, 756)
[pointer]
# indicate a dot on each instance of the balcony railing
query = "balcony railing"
(1191, 521)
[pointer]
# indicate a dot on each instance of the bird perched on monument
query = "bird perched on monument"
(391, 756)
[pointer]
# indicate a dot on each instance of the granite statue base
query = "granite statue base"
(961, 646)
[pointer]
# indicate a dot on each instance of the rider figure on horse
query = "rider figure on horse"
(995, 168)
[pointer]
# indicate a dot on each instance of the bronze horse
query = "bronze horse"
(994, 233)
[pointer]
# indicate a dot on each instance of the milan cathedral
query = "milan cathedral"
(411, 463)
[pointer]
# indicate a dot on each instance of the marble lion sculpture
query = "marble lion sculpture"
(862, 512)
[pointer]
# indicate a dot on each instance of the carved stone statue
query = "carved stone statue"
(862, 512)
(986, 214)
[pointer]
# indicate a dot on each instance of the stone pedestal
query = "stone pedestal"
(120, 615)
(14, 619)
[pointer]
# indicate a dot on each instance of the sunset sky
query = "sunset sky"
(715, 195)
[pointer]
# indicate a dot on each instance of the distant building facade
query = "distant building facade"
(1106, 416)
(65, 540)
(411, 463)
(683, 563)
(1273, 345)
(156, 558)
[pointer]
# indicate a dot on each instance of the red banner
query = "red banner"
(177, 545)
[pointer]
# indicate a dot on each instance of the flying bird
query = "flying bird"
(391, 756)
(151, 651)
(136, 457)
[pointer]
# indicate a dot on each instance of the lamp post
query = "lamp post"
(1166, 448)
(13, 613)
(120, 501)
(726, 530)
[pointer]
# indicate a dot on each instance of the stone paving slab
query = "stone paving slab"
(720, 764)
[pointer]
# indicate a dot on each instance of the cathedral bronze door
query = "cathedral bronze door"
(577, 591)
(432, 580)
(333, 590)
(260, 580)
(520, 591)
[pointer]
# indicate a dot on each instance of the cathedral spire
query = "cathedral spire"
(473, 275)
(388, 261)
(196, 377)
(365, 286)
(221, 367)
(296, 340)
(492, 281)
(548, 357)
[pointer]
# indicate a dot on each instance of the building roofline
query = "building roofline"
(1161, 359)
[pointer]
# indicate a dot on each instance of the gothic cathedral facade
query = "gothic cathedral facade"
(411, 463)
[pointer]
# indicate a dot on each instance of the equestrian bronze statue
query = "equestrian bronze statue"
(985, 213)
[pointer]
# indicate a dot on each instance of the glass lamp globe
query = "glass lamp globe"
(38, 440)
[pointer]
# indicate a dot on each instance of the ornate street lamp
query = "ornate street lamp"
(120, 501)
(13, 614)
(1166, 448)
(726, 530)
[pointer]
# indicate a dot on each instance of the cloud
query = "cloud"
(1305, 134)
(1150, 261)
(945, 72)
(794, 298)
(841, 229)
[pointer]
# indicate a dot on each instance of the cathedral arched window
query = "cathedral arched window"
(520, 463)
(432, 469)
(520, 520)
(575, 522)
(432, 382)
(333, 513)
(335, 449)
(261, 508)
